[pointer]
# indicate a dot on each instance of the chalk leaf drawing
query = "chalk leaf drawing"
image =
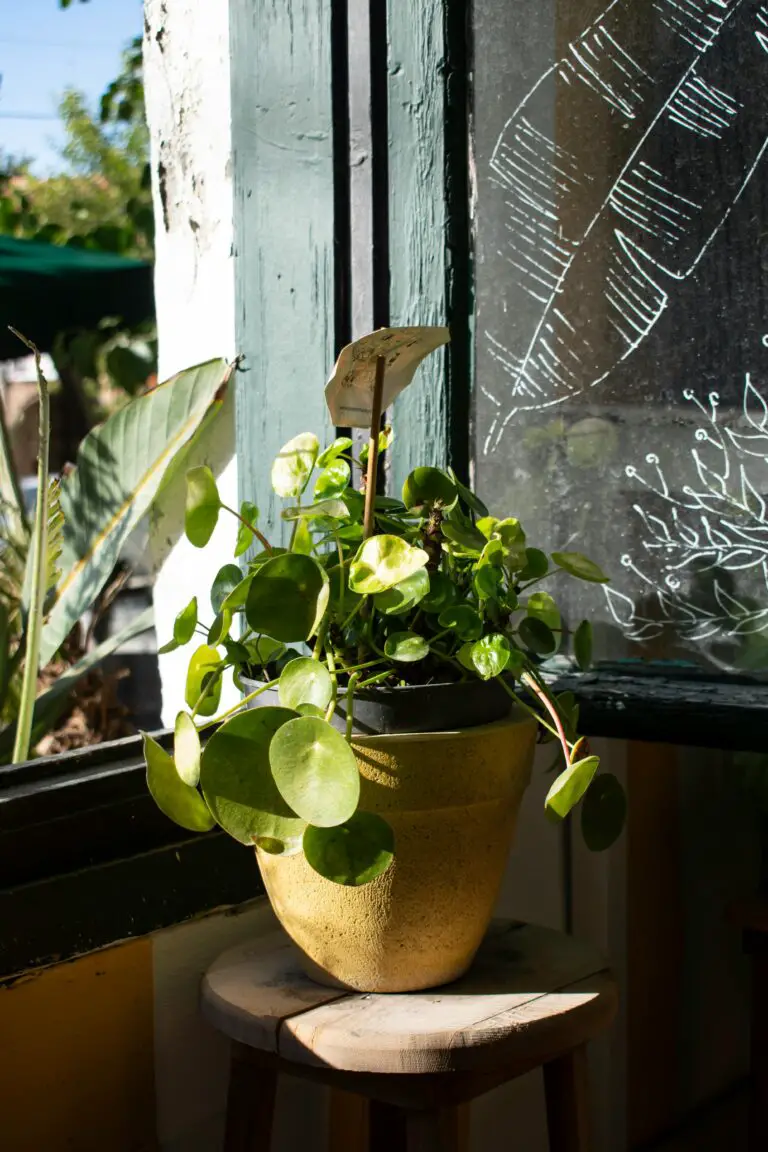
(703, 537)
(617, 172)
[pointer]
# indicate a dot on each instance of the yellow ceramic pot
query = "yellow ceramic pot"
(452, 799)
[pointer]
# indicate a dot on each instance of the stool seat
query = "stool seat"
(532, 997)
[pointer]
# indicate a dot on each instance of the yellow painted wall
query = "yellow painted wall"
(76, 1055)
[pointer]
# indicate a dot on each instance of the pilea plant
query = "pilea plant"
(429, 588)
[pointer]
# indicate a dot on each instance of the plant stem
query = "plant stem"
(261, 539)
(373, 447)
(240, 704)
(38, 559)
(531, 711)
(351, 704)
(533, 686)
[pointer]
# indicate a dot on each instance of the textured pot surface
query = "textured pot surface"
(412, 708)
(452, 799)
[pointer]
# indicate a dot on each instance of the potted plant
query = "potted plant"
(390, 656)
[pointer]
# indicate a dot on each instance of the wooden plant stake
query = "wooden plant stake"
(373, 447)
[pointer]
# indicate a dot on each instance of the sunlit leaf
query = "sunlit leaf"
(315, 771)
(403, 596)
(287, 597)
(542, 606)
(186, 749)
(426, 487)
(183, 628)
(333, 451)
(305, 681)
(178, 801)
(334, 509)
(332, 481)
(406, 647)
(250, 513)
(224, 582)
(570, 786)
(202, 506)
(489, 656)
(203, 675)
(383, 561)
(237, 781)
(293, 465)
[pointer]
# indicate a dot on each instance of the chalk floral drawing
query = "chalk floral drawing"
(594, 241)
(707, 540)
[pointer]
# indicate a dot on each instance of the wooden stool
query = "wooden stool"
(533, 998)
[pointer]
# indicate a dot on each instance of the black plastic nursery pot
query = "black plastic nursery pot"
(412, 708)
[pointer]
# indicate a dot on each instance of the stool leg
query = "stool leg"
(566, 1087)
(393, 1129)
(250, 1103)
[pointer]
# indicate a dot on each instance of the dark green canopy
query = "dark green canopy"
(46, 289)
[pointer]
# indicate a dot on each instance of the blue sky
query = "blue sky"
(44, 50)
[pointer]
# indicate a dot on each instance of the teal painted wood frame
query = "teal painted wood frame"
(429, 234)
(281, 55)
(293, 243)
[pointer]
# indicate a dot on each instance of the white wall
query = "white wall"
(187, 83)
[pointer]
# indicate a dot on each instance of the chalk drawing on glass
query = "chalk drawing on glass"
(598, 241)
(698, 539)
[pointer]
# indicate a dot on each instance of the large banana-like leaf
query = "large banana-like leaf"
(50, 705)
(120, 466)
(13, 519)
(661, 122)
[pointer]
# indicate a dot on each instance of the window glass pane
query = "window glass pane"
(621, 232)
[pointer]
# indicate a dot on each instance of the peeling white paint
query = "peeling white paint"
(187, 82)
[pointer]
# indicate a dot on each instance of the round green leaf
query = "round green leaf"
(204, 670)
(383, 561)
(186, 749)
(570, 786)
(403, 596)
(305, 681)
(250, 513)
(537, 637)
(315, 770)
(332, 481)
(603, 812)
(582, 645)
(510, 533)
(329, 454)
(180, 802)
(490, 655)
(542, 607)
(310, 710)
(220, 628)
(237, 780)
(183, 628)
(237, 653)
(293, 465)
(536, 565)
(473, 502)
(302, 539)
(465, 535)
(353, 853)
(239, 594)
(202, 506)
(486, 582)
(426, 487)
(406, 647)
(442, 592)
(224, 582)
(287, 597)
(463, 620)
(581, 566)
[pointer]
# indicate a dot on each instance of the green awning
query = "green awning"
(46, 289)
